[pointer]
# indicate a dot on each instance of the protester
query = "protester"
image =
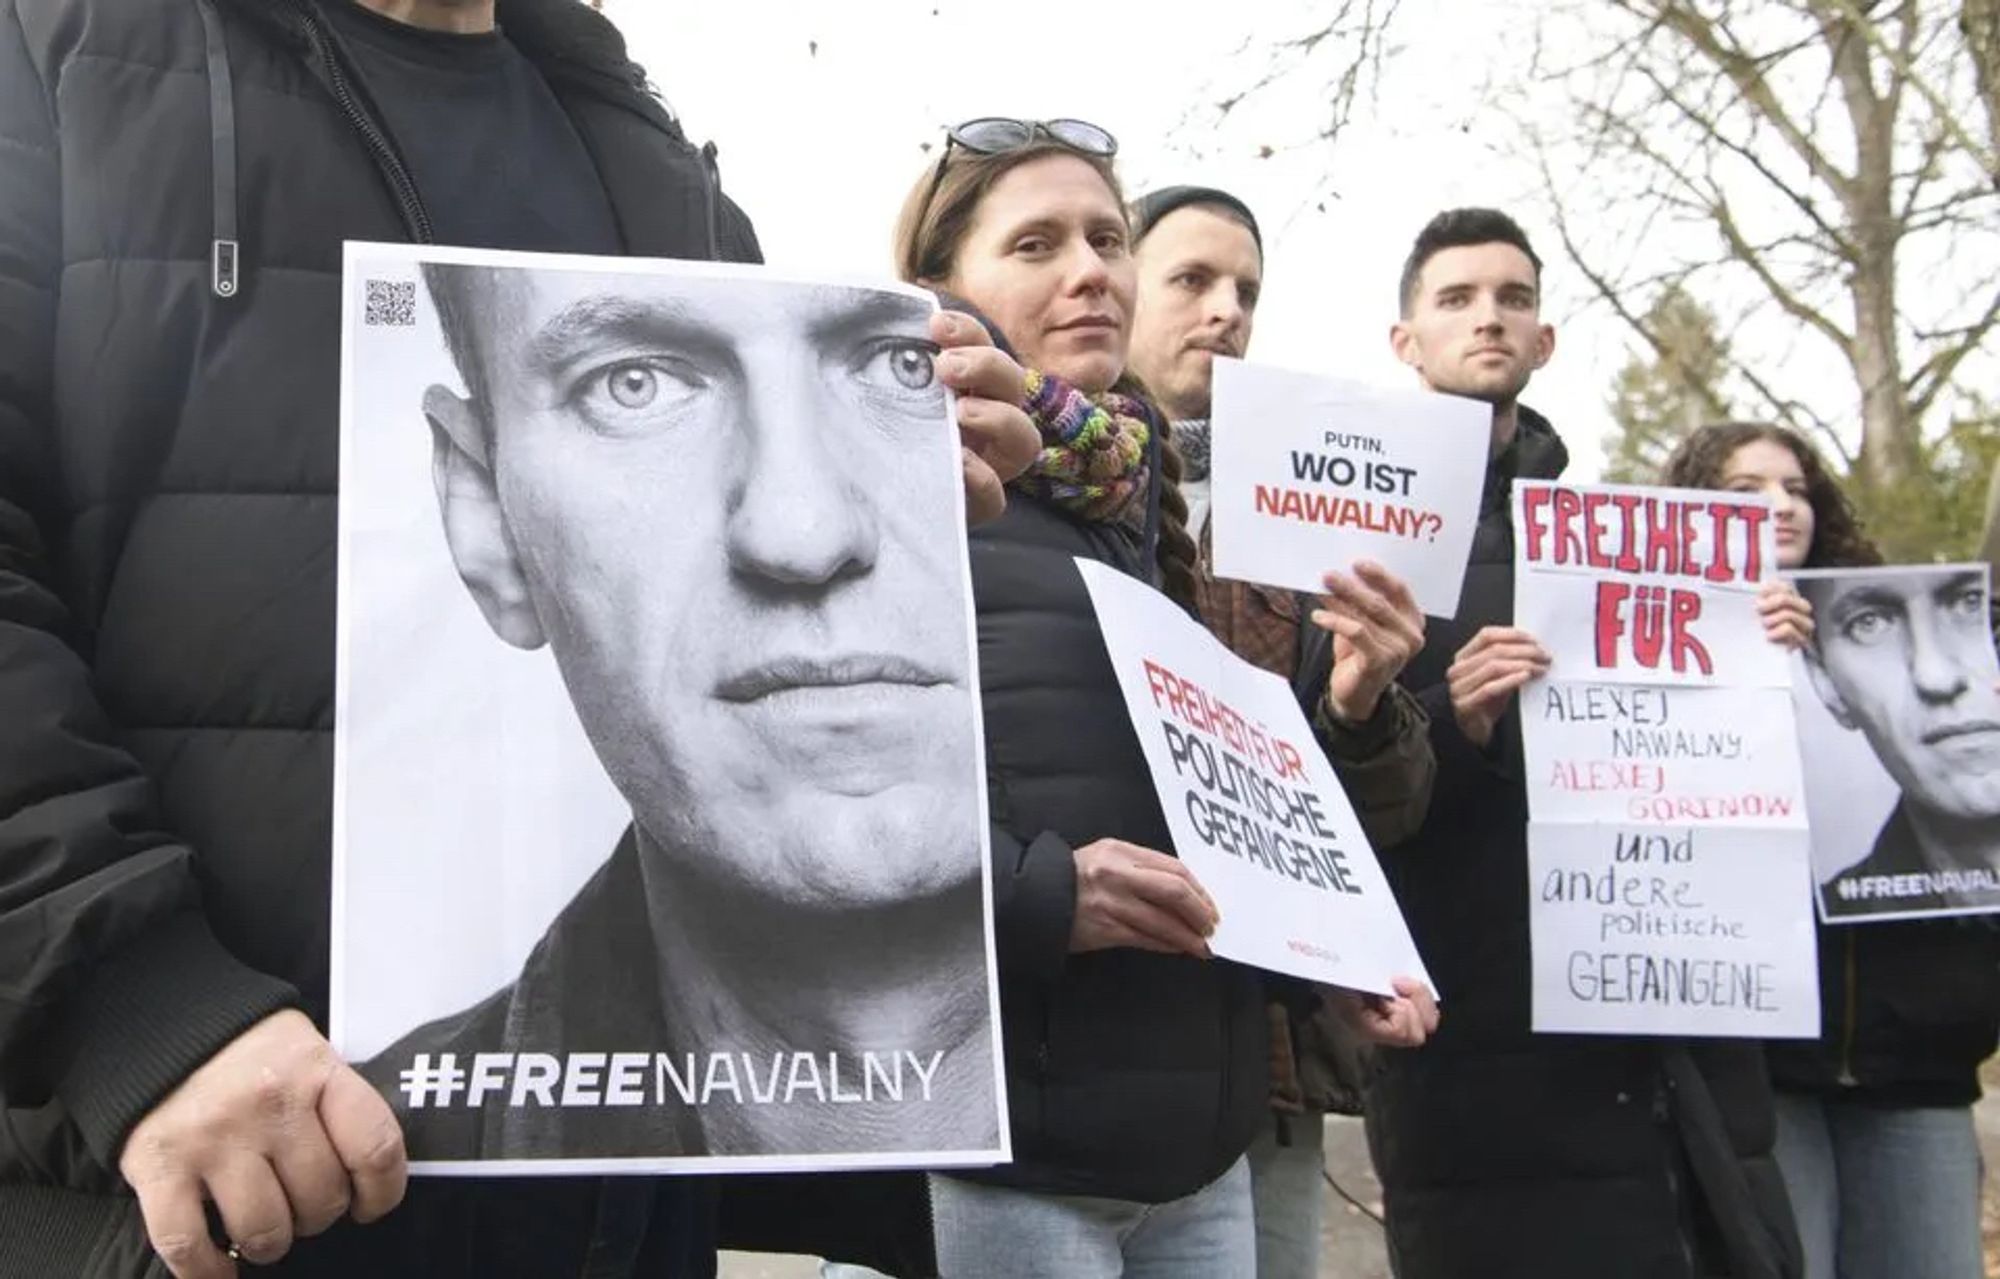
(176, 180)
(1200, 267)
(1503, 1151)
(1875, 1131)
(1135, 1060)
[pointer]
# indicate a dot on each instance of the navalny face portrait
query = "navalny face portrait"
(705, 496)
(1905, 657)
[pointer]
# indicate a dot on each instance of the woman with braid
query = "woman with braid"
(1136, 1061)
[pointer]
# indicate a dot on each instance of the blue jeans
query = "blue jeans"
(1288, 1190)
(1881, 1193)
(995, 1232)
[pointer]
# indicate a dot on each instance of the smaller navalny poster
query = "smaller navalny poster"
(1252, 803)
(659, 831)
(1667, 842)
(1899, 723)
(1312, 473)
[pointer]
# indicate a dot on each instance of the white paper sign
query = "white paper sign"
(1675, 930)
(1251, 801)
(1667, 850)
(1899, 724)
(1312, 473)
(1654, 586)
(1661, 754)
(624, 680)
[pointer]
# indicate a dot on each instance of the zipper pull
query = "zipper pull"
(222, 268)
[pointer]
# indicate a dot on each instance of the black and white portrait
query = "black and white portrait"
(1899, 722)
(660, 828)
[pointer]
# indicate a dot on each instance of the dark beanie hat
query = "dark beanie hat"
(1148, 209)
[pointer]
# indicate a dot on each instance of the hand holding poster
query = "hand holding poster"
(622, 905)
(1647, 585)
(1310, 474)
(1255, 810)
(1899, 725)
(1667, 841)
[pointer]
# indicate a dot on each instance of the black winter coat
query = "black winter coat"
(1505, 1153)
(1908, 1011)
(1130, 1075)
(168, 474)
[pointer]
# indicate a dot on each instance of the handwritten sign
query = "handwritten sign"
(1647, 585)
(1667, 852)
(1252, 803)
(1656, 753)
(1670, 930)
(1312, 473)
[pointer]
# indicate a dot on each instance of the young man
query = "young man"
(1201, 261)
(1501, 1151)
(176, 179)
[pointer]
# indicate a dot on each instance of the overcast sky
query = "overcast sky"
(822, 113)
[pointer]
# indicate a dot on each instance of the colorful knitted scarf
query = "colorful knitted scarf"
(1093, 459)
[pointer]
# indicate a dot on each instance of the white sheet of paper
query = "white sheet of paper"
(513, 818)
(1621, 583)
(1313, 473)
(1672, 930)
(1905, 652)
(1667, 846)
(1661, 754)
(1253, 805)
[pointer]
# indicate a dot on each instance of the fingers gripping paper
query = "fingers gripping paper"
(1255, 810)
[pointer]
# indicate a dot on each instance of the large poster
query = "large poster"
(1312, 473)
(1667, 845)
(1253, 805)
(1899, 726)
(659, 803)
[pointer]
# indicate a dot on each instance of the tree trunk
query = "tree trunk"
(1889, 445)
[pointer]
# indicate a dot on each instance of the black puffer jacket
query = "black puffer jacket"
(1506, 1153)
(1130, 1075)
(168, 470)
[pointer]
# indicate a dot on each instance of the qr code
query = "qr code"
(391, 304)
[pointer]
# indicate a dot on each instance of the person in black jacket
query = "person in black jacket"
(1503, 1152)
(1200, 259)
(176, 179)
(1135, 1060)
(1875, 1131)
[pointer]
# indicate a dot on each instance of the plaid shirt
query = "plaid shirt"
(1260, 624)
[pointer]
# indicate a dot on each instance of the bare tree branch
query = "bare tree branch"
(1900, 60)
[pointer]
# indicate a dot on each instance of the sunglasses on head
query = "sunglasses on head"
(993, 134)
(997, 134)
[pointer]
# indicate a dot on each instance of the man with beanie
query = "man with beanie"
(1201, 260)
